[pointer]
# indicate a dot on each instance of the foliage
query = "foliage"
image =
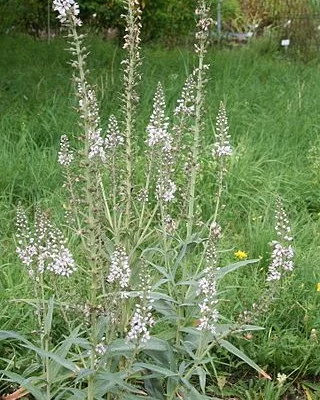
(29, 16)
(169, 21)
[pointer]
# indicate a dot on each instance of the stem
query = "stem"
(146, 188)
(47, 366)
(130, 97)
(45, 339)
(91, 178)
(219, 192)
(196, 139)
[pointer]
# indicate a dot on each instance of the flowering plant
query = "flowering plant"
(140, 276)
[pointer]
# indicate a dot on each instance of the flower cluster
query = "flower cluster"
(222, 147)
(208, 284)
(101, 348)
(142, 319)
(170, 224)
(203, 24)
(99, 351)
(166, 189)
(283, 252)
(132, 45)
(143, 196)
(140, 324)
(26, 248)
(65, 155)
(133, 25)
(119, 269)
(113, 138)
(89, 112)
(186, 103)
(160, 140)
(68, 11)
(157, 128)
(45, 250)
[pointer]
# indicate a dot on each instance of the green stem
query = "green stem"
(91, 178)
(129, 108)
(146, 188)
(47, 366)
(196, 139)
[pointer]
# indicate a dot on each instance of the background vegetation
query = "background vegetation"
(169, 21)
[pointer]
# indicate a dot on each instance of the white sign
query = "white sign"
(285, 42)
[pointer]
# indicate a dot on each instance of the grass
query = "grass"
(272, 104)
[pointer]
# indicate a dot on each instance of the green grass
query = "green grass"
(273, 106)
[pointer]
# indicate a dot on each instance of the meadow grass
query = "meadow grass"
(272, 105)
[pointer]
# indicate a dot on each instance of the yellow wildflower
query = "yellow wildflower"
(241, 255)
(318, 287)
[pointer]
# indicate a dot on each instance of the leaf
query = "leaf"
(60, 360)
(191, 331)
(221, 382)
(234, 350)
(155, 344)
(134, 397)
(245, 328)
(224, 329)
(25, 383)
(4, 335)
(313, 386)
(63, 349)
(48, 317)
(17, 394)
(192, 392)
(84, 373)
(202, 378)
(154, 387)
(162, 296)
(156, 368)
(307, 392)
(160, 351)
(184, 245)
(106, 382)
(120, 347)
(232, 267)
(75, 394)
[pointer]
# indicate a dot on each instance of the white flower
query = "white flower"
(63, 263)
(65, 155)
(101, 349)
(186, 104)
(45, 249)
(283, 253)
(67, 10)
(157, 128)
(114, 137)
(209, 315)
(119, 268)
(140, 323)
(166, 189)
(281, 378)
(222, 146)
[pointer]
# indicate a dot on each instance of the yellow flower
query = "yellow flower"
(318, 287)
(242, 255)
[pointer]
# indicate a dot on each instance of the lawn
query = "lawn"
(272, 103)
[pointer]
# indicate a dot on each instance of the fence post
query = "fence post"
(219, 19)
